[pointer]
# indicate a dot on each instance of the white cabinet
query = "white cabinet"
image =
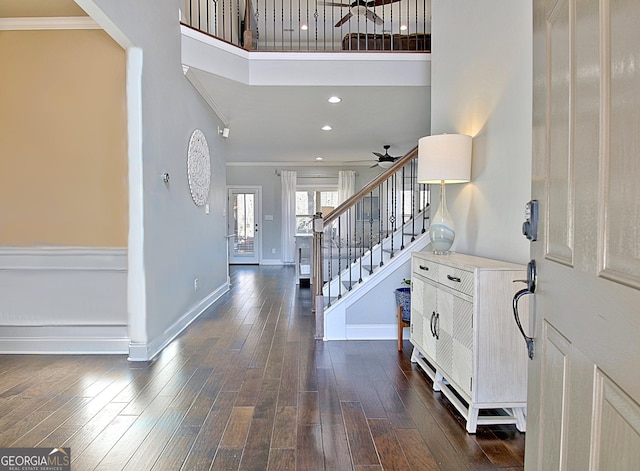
(465, 337)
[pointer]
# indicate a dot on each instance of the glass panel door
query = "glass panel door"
(243, 226)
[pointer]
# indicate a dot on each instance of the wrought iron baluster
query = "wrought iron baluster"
(392, 219)
(348, 216)
(371, 231)
(329, 263)
(339, 259)
(402, 210)
(380, 236)
(413, 200)
(360, 210)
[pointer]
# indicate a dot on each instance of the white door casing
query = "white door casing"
(244, 231)
(584, 385)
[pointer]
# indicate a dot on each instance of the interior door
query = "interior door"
(244, 239)
(584, 380)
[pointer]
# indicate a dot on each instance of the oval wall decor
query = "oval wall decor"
(199, 168)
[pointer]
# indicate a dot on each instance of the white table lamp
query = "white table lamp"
(444, 158)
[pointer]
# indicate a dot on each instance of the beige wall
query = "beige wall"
(63, 148)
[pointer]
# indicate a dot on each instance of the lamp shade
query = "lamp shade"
(444, 157)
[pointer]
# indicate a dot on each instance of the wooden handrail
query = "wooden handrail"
(369, 187)
(317, 278)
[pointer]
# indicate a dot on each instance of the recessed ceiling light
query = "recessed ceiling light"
(335, 99)
(327, 128)
(304, 27)
(403, 28)
(319, 158)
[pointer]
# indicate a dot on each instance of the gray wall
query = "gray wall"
(266, 177)
(482, 84)
(181, 242)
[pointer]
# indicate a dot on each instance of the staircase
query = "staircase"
(362, 252)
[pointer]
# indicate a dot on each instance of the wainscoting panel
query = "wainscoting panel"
(63, 300)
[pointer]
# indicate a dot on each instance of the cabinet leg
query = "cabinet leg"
(415, 354)
(437, 381)
(472, 419)
(521, 420)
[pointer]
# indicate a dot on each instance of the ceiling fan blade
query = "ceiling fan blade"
(377, 3)
(344, 19)
(371, 16)
(335, 4)
(378, 154)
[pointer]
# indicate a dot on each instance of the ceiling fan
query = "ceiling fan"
(360, 7)
(384, 160)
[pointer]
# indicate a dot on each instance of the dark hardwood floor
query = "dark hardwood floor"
(247, 387)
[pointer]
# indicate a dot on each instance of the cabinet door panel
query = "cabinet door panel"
(430, 299)
(417, 312)
(462, 368)
(417, 337)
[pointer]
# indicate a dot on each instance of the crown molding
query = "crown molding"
(43, 23)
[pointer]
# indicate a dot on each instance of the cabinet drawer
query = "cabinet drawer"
(425, 268)
(457, 279)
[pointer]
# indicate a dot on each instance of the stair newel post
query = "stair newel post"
(317, 274)
(247, 34)
(380, 236)
(402, 210)
(413, 200)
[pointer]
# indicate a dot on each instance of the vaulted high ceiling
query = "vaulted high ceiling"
(277, 112)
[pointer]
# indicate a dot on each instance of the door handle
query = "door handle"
(431, 326)
(530, 289)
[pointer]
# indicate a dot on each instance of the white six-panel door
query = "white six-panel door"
(584, 382)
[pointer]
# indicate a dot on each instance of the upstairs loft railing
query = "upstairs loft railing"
(368, 230)
(314, 25)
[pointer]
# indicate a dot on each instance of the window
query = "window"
(308, 202)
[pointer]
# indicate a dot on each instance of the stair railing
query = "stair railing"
(367, 229)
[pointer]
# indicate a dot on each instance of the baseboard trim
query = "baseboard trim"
(371, 331)
(147, 351)
(271, 261)
(64, 339)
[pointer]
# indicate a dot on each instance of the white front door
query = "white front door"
(243, 221)
(584, 381)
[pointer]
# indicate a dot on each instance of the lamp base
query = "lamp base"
(442, 230)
